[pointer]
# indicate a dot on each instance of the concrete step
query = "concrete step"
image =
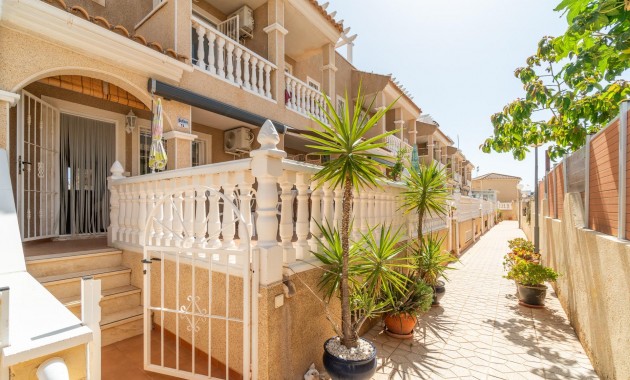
(60, 263)
(122, 325)
(114, 300)
(69, 284)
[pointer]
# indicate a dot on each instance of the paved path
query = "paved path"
(480, 332)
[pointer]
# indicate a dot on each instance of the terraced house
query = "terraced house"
(205, 263)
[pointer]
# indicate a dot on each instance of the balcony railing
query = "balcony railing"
(302, 98)
(395, 144)
(230, 61)
(457, 177)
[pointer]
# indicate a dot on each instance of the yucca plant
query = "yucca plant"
(342, 137)
(426, 193)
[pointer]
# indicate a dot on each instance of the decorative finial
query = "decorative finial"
(117, 170)
(268, 136)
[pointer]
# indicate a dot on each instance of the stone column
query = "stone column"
(275, 46)
(178, 149)
(7, 100)
(267, 168)
(329, 68)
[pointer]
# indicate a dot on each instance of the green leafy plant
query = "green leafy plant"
(416, 298)
(375, 271)
(531, 274)
(396, 170)
(521, 249)
(426, 193)
(576, 80)
(342, 136)
(430, 261)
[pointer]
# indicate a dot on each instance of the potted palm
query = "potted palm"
(432, 263)
(530, 278)
(405, 307)
(426, 195)
(342, 136)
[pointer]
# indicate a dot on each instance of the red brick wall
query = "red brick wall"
(604, 181)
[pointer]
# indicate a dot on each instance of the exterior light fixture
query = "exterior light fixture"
(130, 122)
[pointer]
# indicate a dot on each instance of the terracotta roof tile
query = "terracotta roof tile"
(322, 10)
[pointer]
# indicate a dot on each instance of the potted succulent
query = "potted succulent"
(530, 281)
(432, 263)
(404, 308)
(352, 166)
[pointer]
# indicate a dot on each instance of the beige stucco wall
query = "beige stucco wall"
(73, 357)
(507, 189)
(594, 286)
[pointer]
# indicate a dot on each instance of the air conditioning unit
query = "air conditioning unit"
(245, 20)
(238, 140)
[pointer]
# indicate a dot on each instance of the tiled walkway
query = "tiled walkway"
(480, 331)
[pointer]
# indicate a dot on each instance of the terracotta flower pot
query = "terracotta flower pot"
(400, 325)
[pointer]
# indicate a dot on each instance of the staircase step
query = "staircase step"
(122, 325)
(60, 263)
(114, 299)
(69, 284)
(113, 319)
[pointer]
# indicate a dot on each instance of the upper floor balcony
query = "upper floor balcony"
(221, 55)
(395, 144)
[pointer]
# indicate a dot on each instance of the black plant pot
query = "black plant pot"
(342, 369)
(438, 292)
(532, 295)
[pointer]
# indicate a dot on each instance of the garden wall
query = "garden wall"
(594, 286)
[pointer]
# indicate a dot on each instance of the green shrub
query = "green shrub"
(530, 274)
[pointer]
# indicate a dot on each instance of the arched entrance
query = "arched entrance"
(66, 133)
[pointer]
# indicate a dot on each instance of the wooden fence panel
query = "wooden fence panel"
(604, 181)
(574, 169)
(551, 195)
(559, 189)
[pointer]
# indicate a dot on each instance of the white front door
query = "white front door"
(37, 168)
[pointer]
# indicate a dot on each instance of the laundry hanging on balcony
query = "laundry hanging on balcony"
(157, 154)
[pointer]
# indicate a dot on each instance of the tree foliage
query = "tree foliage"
(573, 84)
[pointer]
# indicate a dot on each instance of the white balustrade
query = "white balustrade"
(302, 98)
(231, 61)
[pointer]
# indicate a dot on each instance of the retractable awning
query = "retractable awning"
(182, 95)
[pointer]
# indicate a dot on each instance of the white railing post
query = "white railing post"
(114, 202)
(316, 214)
(267, 167)
(268, 81)
(91, 317)
(201, 52)
(230, 61)
(220, 56)
(245, 181)
(211, 61)
(329, 206)
(302, 224)
(238, 53)
(261, 78)
(286, 216)
(229, 219)
(254, 81)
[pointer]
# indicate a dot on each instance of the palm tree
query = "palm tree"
(342, 137)
(426, 193)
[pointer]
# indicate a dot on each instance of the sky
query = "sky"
(457, 59)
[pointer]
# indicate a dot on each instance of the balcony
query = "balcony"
(228, 60)
(302, 98)
(506, 206)
(395, 144)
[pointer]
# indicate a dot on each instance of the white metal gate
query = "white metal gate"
(200, 287)
(37, 168)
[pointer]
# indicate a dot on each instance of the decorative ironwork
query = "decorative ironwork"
(192, 310)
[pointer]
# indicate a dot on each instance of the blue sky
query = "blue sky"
(457, 59)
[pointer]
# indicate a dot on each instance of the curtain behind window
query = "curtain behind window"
(87, 152)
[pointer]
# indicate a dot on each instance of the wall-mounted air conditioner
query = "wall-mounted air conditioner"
(238, 140)
(245, 20)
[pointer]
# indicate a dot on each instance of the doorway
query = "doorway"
(86, 153)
